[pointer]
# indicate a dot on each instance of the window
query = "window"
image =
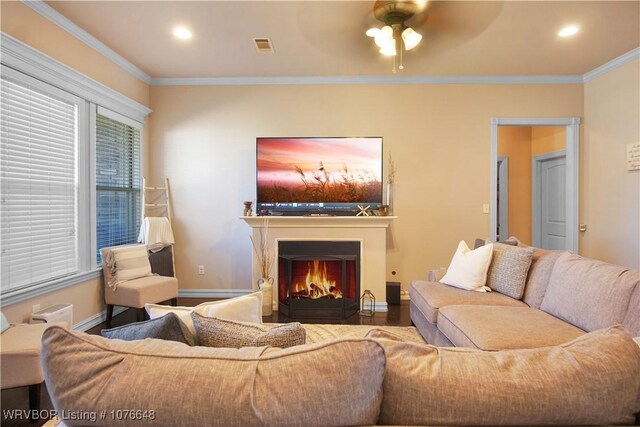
(39, 186)
(117, 181)
(70, 154)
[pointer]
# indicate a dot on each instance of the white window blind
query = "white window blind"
(118, 182)
(39, 185)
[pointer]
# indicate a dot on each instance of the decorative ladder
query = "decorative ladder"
(159, 194)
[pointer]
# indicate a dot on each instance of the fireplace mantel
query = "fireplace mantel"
(370, 231)
(319, 221)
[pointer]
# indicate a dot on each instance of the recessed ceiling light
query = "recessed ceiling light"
(182, 33)
(568, 31)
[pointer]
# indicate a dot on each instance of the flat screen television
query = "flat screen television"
(306, 176)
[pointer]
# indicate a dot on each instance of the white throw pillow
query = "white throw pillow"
(468, 268)
(247, 308)
(131, 262)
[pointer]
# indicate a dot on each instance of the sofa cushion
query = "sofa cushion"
(136, 292)
(431, 296)
(540, 270)
(197, 386)
(591, 380)
(502, 328)
(632, 318)
(508, 270)
(213, 332)
(168, 327)
(468, 268)
(588, 293)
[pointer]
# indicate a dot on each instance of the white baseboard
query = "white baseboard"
(213, 293)
(96, 319)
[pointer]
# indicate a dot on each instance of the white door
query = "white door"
(549, 215)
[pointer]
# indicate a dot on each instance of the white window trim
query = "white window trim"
(24, 59)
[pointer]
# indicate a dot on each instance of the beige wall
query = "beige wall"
(611, 194)
(514, 142)
(31, 28)
(203, 139)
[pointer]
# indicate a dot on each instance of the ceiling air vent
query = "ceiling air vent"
(263, 45)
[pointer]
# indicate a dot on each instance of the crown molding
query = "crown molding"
(51, 14)
(364, 80)
(611, 65)
(22, 57)
(54, 16)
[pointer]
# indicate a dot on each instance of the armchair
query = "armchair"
(134, 293)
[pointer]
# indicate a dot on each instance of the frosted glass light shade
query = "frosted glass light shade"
(384, 37)
(389, 49)
(372, 32)
(410, 38)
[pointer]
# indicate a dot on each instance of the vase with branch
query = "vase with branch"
(391, 176)
(265, 261)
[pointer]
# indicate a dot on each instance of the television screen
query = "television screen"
(298, 176)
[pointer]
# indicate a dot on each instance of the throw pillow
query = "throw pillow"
(169, 328)
(213, 332)
(508, 270)
(131, 262)
(468, 268)
(246, 308)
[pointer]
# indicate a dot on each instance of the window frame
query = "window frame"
(93, 120)
(17, 58)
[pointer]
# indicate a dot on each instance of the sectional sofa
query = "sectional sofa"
(565, 296)
(377, 379)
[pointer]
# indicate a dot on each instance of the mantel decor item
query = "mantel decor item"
(248, 208)
(391, 178)
(265, 261)
(367, 304)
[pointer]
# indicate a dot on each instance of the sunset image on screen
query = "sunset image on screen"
(331, 170)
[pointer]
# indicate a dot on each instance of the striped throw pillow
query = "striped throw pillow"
(132, 262)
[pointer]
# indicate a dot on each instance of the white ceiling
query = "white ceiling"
(326, 38)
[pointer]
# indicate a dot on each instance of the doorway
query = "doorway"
(549, 217)
(550, 202)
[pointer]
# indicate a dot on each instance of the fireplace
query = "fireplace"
(318, 279)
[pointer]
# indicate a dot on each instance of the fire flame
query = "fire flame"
(317, 283)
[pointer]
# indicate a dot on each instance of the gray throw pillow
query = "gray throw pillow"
(508, 270)
(214, 332)
(168, 327)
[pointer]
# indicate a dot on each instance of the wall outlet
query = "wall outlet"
(485, 208)
(201, 269)
(35, 308)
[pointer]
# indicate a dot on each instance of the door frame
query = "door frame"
(503, 203)
(536, 167)
(572, 133)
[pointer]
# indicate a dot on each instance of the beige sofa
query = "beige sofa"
(378, 379)
(565, 296)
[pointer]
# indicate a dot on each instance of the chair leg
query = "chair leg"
(174, 301)
(109, 314)
(34, 402)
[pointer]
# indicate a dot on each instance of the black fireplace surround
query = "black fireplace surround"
(318, 279)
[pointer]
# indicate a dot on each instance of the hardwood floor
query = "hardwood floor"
(18, 398)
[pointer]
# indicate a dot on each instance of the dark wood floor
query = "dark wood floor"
(18, 398)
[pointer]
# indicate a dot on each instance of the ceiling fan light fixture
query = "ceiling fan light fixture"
(372, 32)
(410, 38)
(384, 36)
(389, 49)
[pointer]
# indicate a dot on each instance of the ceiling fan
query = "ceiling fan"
(396, 36)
